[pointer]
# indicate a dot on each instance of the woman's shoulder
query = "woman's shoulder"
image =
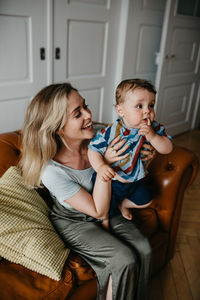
(52, 166)
(55, 169)
(52, 171)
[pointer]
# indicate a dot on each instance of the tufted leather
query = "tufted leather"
(169, 175)
(10, 149)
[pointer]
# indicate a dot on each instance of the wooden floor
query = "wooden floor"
(181, 277)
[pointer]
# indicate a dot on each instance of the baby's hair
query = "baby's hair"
(130, 85)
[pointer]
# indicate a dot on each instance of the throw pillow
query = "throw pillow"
(27, 236)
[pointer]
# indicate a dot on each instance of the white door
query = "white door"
(145, 19)
(23, 67)
(178, 74)
(85, 54)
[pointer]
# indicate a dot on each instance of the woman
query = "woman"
(57, 130)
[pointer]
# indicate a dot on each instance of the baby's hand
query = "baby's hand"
(105, 172)
(147, 130)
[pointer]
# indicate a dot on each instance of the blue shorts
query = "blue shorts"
(137, 192)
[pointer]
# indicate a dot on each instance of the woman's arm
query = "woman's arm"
(96, 205)
(64, 188)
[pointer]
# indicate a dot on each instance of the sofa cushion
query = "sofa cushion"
(147, 220)
(27, 237)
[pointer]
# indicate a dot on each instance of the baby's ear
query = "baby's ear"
(119, 110)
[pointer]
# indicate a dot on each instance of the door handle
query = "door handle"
(42, 53)
(170, 56)
(57, 53)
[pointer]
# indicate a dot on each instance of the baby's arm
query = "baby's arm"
(161, 143)
(104, 171)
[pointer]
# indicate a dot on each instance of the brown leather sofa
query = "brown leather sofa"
(169, 176)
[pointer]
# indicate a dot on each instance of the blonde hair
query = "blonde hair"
(46, 115)
(131, 84)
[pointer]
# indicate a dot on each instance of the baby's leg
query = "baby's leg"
(139, 197)
(126, 205)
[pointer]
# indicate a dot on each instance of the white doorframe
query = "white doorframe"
(162, 46)
(120, 49)
(49, 51)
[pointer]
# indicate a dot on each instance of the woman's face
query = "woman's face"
(79, 119)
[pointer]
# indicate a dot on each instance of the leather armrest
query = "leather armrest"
(171, 174)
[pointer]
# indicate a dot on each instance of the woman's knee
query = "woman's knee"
(125, 256)
(144, 247)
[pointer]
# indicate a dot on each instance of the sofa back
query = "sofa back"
(10, 150)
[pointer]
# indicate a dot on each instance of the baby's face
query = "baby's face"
(137, 108)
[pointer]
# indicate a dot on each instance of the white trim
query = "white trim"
(121, 46)
(49, 50)
(162, 48)
(195, 118)
(102, 92)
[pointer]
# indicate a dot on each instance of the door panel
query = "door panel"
(185, 45)
(87, 34)
(178, 75)
(176, 101)
(15, 65)
(86, 43)
(22, 72)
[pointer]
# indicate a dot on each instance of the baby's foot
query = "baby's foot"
(105, 224)
(126, 212)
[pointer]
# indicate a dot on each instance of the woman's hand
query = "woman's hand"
(115, 149)
(149, 153)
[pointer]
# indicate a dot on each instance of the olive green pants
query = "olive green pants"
(124, 253)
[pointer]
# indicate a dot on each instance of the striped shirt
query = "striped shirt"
(131, 168)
